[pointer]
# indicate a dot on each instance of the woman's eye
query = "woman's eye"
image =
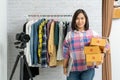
(82, 18)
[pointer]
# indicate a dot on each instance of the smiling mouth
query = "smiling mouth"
(80, 24)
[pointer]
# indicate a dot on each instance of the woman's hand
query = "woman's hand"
(65, 65)
(105, 50)
(65, 71)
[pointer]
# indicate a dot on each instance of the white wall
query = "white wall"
(115, 49)
(3, 39)
(17, 14)
(19, 9)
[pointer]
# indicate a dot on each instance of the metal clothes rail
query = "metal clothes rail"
(49, 15)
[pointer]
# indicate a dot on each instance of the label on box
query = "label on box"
(92, 50)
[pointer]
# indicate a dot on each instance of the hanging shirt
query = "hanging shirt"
(34, 42)
(40, 38)
(51, 46)
(44, 48)
(61, 35)
(56, 32)
(27, 49)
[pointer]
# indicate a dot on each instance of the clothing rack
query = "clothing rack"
(49, 15)
(56, 17)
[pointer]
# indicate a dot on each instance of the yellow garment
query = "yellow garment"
(40, 35)
(51, 46)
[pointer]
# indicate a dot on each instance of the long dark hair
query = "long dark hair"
(73, 25)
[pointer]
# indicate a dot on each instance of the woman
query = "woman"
(73, 48)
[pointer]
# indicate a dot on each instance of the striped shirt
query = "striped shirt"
(74, 46)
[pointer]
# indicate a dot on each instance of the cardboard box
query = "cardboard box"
(116, 12)
(94, 59)
(98, 42)
(91, 63)
(92, 50)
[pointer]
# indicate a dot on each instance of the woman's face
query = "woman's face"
(80, 21)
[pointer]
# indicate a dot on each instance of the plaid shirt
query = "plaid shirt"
(74, 46)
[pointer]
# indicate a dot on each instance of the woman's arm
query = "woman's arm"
(66, 53)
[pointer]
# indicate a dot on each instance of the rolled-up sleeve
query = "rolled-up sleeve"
(107, 46)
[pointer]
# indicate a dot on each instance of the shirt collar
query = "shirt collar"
(79, 31)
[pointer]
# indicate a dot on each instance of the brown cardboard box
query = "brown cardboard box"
(94, 59)
(92, 50)
(92, 63)
(98, 42)
(116, 12)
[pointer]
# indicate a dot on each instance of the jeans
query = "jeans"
(82, 75)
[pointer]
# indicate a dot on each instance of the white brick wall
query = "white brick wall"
(19, 9)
